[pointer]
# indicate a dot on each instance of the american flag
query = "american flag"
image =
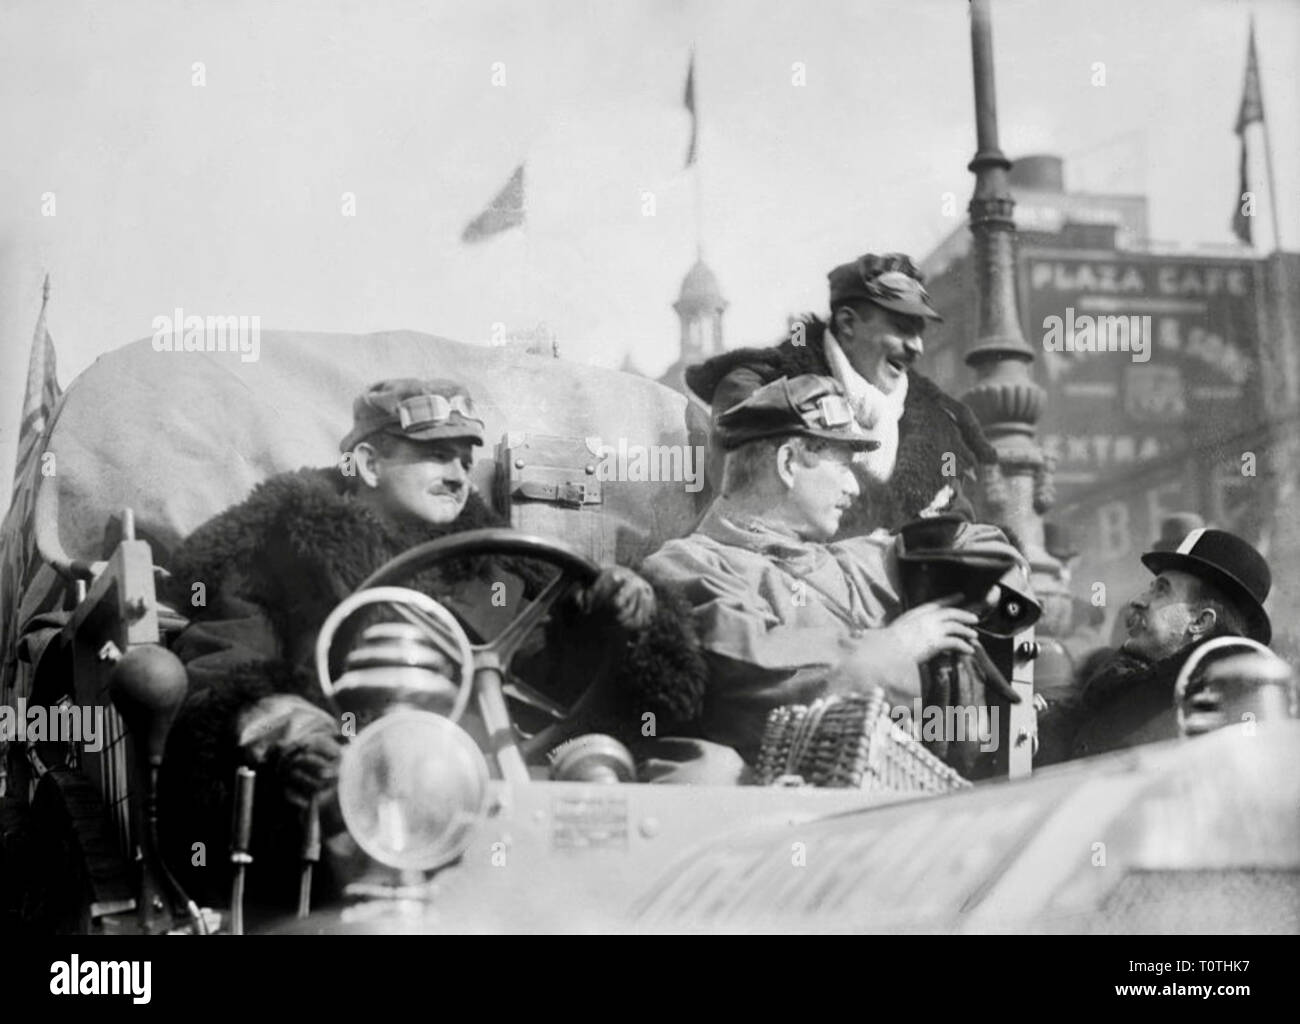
(19, 559)
(43, 394)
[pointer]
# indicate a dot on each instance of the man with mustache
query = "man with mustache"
(930, 443)
(784, 615)
(1213, 584)
(275, 565)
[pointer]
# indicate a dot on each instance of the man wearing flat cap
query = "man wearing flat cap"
(930, 443)
(1212, 584)
(275, 566)
(784, 615)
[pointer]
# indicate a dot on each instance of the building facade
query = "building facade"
(1170, 379)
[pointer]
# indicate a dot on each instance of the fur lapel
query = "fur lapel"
(1124, 677)
(299, 544)
(300, 540)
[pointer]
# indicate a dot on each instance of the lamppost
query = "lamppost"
(1004, 397)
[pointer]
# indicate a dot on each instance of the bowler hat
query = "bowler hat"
(808, 405)
(418, 410)
(1224, 560)
(890, 281)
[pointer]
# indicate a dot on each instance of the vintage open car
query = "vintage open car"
(1199, 834)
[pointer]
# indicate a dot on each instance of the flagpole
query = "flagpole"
(531, 291)
(1272, 183)
(1268, 140)
(699, 208)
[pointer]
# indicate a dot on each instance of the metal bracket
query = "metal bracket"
(570, 493)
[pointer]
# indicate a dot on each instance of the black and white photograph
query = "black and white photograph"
(650, 468)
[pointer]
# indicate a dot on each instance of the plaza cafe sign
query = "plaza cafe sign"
(1169, 280)
(1189, 289)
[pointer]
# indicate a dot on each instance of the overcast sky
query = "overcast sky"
(227, 198)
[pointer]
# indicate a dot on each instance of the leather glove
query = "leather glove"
(621, 591)
(297, 739)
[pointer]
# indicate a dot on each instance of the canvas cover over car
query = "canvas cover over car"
(179, 436)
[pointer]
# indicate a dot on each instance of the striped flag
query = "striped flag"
(504, 212)
(1250, 112)
(42, 394)
(690, 105)
(19, 558)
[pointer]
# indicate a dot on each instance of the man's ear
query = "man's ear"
(786, 459)
(842, 322)
(1203, 622)
(364, 458)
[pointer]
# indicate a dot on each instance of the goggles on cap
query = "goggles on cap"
(833, 410)
(421, 411)
(826, 410)
(893, 286)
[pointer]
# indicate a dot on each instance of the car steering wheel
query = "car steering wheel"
(492, 659)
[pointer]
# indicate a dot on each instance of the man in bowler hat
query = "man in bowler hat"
(1212, 584)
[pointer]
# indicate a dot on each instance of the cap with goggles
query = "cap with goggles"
(809, 406)
(890, 282)
(418, 410)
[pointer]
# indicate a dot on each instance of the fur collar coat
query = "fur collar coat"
(1126, 702)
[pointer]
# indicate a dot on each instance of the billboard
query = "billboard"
(1154, 397)
(1144, 359)
(1154, 402)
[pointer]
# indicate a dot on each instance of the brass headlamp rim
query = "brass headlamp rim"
(401, 596)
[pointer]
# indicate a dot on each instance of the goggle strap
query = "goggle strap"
(834, 410)
(422, 410)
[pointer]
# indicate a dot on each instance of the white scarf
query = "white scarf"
(877, 413)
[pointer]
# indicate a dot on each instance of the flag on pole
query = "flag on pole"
(504, 212)
(19, 559)
(42, 393)
(1250, 112)
(689, 100)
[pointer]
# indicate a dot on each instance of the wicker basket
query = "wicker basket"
(849, 742)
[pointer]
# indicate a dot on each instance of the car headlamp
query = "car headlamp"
(412, 784)
(1230, 680)
(413, 789)
(425, 662)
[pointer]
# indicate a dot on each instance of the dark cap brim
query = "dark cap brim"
(1261, 628)
(908, 307)
(731, 441)
(857, 443)
(463, 431)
